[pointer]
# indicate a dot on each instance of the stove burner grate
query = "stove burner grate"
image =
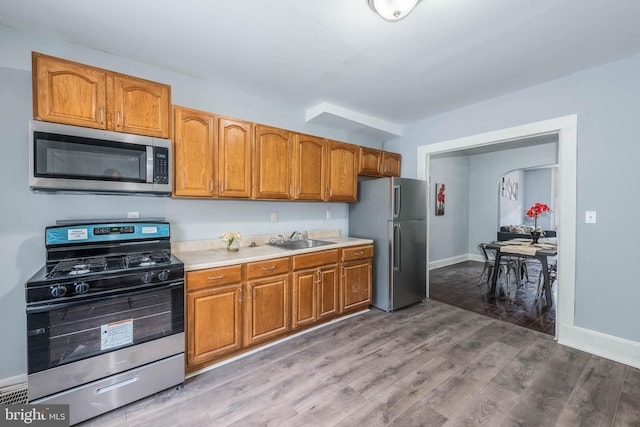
(147, 259)
(77, 267)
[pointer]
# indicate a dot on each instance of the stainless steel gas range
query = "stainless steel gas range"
(105, 316)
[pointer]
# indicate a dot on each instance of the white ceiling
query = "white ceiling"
(446, 54)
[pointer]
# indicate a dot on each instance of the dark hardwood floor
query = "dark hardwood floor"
(430, 364)
(458, 285)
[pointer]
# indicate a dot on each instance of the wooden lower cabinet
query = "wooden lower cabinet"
(356, 278)
(315, 287)
(233, 308)
(266, 309)
(214, 313)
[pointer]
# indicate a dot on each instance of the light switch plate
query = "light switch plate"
(274, 216)
(590, 217)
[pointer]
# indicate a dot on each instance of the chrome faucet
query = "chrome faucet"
(295, 232)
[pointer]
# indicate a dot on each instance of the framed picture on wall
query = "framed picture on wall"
(439, 199)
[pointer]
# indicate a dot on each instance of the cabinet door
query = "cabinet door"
(327, 291)
(234, 158)
(272, 163)
(141, 106)
(266, 308)
(370, 161)
(390, 164)
(356, 285)
(194, 153)
(305, 299)
(214, 322)
(309, 169)
(69, 93)
(342, 171)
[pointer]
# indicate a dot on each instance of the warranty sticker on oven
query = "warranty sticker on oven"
(116, 334)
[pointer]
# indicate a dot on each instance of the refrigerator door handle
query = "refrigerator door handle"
(397, 244)
(397, 202)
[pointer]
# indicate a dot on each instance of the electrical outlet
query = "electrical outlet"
(590, 217)
(274, 216)
(133, 214)
(328, 213)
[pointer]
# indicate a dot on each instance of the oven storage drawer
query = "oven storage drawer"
(101, 396)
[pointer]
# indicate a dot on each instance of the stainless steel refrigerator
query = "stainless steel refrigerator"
(392, 212)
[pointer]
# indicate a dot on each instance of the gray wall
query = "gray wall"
(539, 188)
(511, 210)
(606, 100)
(450, 232)
(25, 214)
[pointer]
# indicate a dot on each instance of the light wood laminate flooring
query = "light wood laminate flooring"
(430, 364)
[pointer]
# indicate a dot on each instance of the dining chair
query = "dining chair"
(506, 265)
(522, 268)
(553, 276)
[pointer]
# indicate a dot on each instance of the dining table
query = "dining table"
(522, 247)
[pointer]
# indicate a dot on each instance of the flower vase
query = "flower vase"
(535, 235)
(233, 246)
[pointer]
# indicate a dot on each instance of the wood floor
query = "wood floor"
(458, 285)
(430, 364)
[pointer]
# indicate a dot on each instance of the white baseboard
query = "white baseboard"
(455, 260)
(9, 381)
(607, 346)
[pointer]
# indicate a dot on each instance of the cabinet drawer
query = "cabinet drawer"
(357, 252)
(315, 259)
(202, 279)
(271, 267)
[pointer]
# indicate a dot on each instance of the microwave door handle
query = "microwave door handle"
(149, 164)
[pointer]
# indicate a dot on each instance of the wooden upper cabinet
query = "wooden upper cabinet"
(309, 167)
(369, 161)
(375, 162)
(141, 106)
(342, 171)
(272, 163)
(234, 158)
(76, 94)
(194, 153)
(67, 92)
(390, 164)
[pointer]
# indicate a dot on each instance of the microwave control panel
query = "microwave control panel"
(160, 165)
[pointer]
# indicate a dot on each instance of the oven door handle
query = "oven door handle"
(48, 306)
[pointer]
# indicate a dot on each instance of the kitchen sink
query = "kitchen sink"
(301, 244)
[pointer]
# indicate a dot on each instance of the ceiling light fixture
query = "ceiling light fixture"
(393, 10)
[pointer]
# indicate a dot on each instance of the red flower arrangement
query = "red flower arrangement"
(535, 211)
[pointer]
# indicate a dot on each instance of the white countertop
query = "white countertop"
(208, 258)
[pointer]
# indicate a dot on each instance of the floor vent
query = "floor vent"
(15, 394)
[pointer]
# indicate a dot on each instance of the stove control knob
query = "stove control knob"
(81, 287)
(163, 275)
(58, 291)
(146, 277)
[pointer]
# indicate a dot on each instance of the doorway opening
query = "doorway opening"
(564, 129)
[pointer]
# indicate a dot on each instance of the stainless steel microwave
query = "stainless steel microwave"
(66, 158)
